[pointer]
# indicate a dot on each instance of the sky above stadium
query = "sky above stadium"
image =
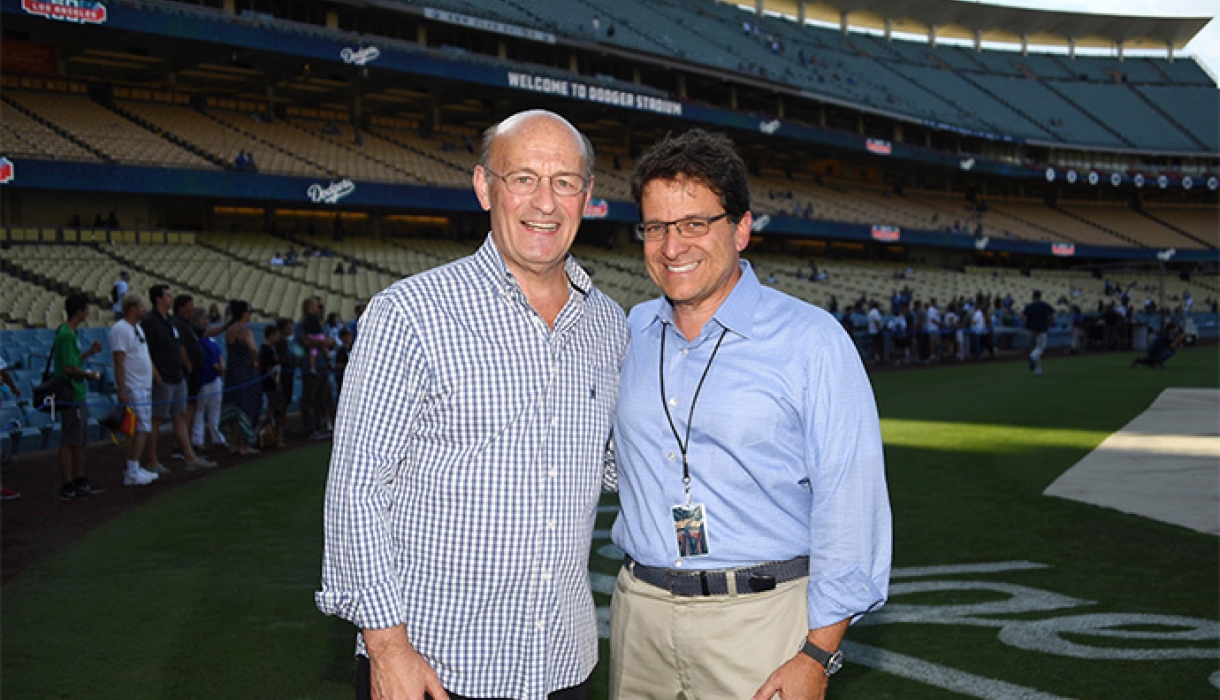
(1205, 45)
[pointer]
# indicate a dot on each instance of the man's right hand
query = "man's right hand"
(396, 670)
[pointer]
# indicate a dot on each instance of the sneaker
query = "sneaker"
(177, 454)
(200, 463)
(7, 494)
(138, 477)
(159, 469)
(69, 492)
(1033, 364)
(82, 484)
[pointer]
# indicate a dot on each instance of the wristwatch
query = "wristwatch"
(831, 661)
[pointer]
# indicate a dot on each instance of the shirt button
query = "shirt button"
(546, 576)
(552, 473)
(685, 351)
(541, 625)
(550, 524)
(678, 563)
(671, 456)
(673, 402)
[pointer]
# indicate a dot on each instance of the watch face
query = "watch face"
(834, 663)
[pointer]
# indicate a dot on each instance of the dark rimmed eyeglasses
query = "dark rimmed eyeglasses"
(690, 227)
(525, 182)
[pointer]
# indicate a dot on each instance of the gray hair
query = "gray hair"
(131, 299)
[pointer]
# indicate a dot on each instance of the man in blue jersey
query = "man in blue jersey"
(755, 518)
(1037, 317)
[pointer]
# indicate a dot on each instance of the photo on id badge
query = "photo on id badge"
(691, 530)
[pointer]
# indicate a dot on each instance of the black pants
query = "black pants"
(363, 691)
(313, 402)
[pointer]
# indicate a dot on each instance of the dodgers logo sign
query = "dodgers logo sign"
(80, 11)
(361, 56)
(331, 193)
(6, 171)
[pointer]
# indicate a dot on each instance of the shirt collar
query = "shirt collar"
(489, 260)
(736, 312)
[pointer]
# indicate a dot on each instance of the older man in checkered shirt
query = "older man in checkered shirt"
(470, 443)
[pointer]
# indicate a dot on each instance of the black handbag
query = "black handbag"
(114, 419)
(52, 385)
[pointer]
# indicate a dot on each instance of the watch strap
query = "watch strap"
(831, 661)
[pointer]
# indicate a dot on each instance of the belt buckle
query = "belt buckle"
(760, 583)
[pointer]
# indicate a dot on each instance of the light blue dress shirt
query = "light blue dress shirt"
(467, 464)
(785, 449)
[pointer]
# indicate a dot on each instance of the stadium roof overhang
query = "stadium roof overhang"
(976, 22)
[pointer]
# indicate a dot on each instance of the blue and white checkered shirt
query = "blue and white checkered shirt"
(464, 480)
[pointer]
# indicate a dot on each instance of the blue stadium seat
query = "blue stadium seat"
(49, 431)
(25, 439)
(97, 406)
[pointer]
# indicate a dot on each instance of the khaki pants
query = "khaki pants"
(667, 647)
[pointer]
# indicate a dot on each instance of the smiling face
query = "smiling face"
(533, 232)
(695, 274)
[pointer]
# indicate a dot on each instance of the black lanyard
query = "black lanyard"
(690, 418)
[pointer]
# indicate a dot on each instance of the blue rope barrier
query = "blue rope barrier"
(57, 404)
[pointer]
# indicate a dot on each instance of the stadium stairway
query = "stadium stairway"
(170, 136)
(407, 146)
(1101, 124)
(238, 260)
(982, 87)
(1206, 244)
(50, 124)
(1094, 224)
(1169, 118)
(133, 264)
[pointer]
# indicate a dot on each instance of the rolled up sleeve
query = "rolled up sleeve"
(377, 408)
(850, 524)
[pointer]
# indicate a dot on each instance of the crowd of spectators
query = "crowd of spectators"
(908, 329)
(202, 373)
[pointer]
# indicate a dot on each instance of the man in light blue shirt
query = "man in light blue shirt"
(755, 516)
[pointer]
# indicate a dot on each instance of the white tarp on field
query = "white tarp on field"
(1164, 465)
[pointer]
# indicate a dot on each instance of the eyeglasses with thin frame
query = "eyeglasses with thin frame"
(525, 182)
(690, 227)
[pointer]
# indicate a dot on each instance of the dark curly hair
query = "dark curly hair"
(706, 157)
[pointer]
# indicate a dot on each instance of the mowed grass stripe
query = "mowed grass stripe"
(207, 591)
(203, 593)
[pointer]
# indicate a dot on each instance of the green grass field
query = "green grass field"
(206, 592)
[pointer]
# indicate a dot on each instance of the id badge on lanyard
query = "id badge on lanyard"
(690, 527)
(690, 521)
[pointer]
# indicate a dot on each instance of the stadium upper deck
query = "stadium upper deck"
(802, 102)
(1138, 103)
